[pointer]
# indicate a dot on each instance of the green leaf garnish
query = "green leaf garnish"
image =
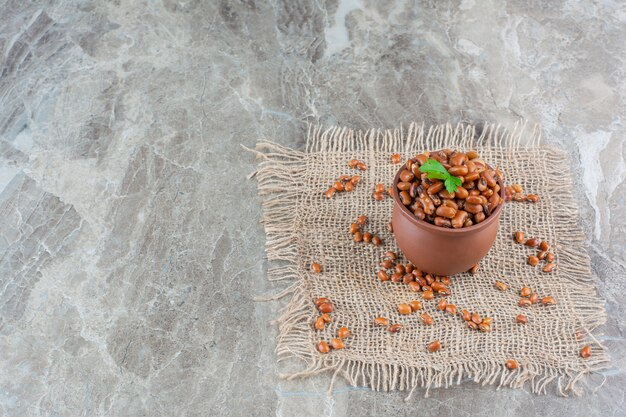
(435, 170)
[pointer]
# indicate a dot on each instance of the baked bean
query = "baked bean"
(358, 237)
(419, 213)
(473, 208)
(532, 242)
(421, 159)
(461, 193)
(546, 301)
(451, 309)
(501, 286)
(323, 347)
(521, 319)
(428, 295)
(550, 257)
(533, 260)
(326, 308)
(414, 190)
(406, 176)
(396, 158)
(534, 297)
(459, 219)
(446, 196)
(472, 155)
(466, 315)
(585, 352)
(397, 277)
(442, 222)
(381, 321)
(549, 267)
(435, 188)
(458, 159)
(394, 328)
(434, 346)
(415, 305)
(316, 268)
(473, 199)
(404, 186)
(524, 302)
(321, 301)
(367, 237)
(427, 204)
(511, 364)
(479, 217)
(470, 178)
(427, 319)
(319, 323)
(445, 211)
(405, 197)
(533, 198)
(481, 184)
(337, 344)
(519, 237)
(458, 171)
(468, 223)
(383, 276)
(544, 246)
(343, 333)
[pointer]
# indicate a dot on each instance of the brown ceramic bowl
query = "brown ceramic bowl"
(441, 250)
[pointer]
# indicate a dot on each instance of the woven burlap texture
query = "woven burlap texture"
(303, 226)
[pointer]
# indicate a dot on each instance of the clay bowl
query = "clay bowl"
(440, 250)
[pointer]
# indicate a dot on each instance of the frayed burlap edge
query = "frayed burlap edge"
(277, 183)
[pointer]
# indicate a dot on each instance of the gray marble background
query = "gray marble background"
(130, 246)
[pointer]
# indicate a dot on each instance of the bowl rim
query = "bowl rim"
(445, 230)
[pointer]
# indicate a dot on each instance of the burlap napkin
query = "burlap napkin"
(303, 226)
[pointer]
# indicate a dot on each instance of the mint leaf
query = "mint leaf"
(435, 170)
(452, 183)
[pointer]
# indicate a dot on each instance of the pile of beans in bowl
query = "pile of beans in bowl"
(477, 196)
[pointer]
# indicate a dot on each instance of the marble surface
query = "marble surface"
(130, 243)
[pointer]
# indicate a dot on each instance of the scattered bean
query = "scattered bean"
(484, 327)
(337, 344)
(362, 219)
(427, 319)
(428, 295)
(476, 318)
(546, 301)
(377, 241)
(396, 158)
(585, 352)
(391, 255)
(549, 267)
(383, 276)
(451, 309)
(501, 286)
(534, 298)
(387, 263)
(517, 188)
(533, 198)
(330, 192)
(326, 308)
(525, 292)
(354, 227)
(415, 305)
(542, 255)
(533, 260)
(395, 328)
(343, 332)
(524, 302)
(472, 325)
(321, 301)
(474, 269)
(323, 347)
(519, 237)
(326, 318)
(319, 323)
(434, 346)
(521, 319)
(316, 268)
(532, 242)
(442, 304)
(550, 257)
(511, 364)
(544, 246)
(358, 237)
(367, 237)
(466, 315)
(381, 321)
(404, 309)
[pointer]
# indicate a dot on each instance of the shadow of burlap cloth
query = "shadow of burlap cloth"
(303, 226)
